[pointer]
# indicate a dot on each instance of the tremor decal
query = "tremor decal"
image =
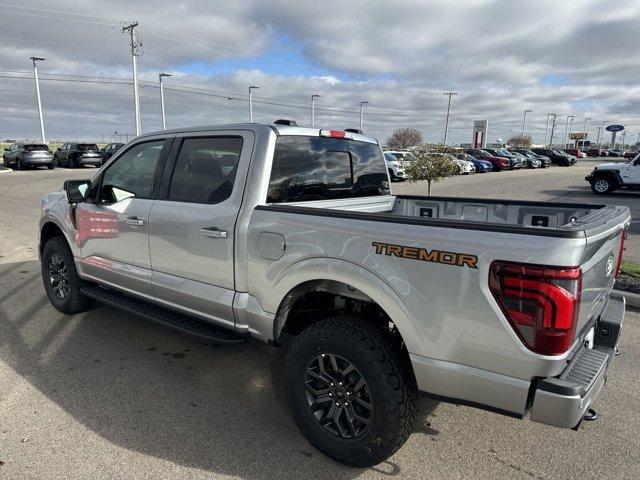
(436, 256)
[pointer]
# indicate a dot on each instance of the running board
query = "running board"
(168, 318)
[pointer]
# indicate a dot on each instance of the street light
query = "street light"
(524, 119)
(160, 77)
(35, 76)
(313, 108)
(362, 104)
(601, 130)
(584, 131)
(446, 122)
(567, 131)
(251, 89)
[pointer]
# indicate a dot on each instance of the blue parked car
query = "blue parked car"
(482, 166)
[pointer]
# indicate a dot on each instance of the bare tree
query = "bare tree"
(403, 138)
(520, 141)
(432, 164)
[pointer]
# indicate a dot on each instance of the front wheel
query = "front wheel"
(602, 186)
(60, 277)
(351, 390)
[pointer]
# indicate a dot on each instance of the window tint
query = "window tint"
(132, 175)
(205, 169)
(36, 146)
(318, 168)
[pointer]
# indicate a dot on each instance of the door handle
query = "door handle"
(213, 232)
(134, 221)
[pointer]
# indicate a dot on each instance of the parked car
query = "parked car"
(499, 163)
(572, 158)
(375, 297)
(402, 155)
(555, 156)
(631, 153)
(616, 153)
(607, 177)
(78, 155)
(395, 167)
(576, 152)
(544, 160)
(514, 160)
(26, 155)
(594, 152)
(465, 166)
(480, 165)
(109, 150)
(527, 162)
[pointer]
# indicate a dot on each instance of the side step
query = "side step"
(169, 318)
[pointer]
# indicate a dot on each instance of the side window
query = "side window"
(205, 169)
(133, 174)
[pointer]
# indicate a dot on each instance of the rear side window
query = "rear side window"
(205, 169)
(319, 168)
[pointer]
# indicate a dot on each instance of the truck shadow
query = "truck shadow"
(152, 391)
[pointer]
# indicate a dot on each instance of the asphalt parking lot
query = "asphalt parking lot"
(106, 395)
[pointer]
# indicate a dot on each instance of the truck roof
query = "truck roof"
(278, 129)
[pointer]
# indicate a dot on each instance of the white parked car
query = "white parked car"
(465, 166)
(402, 155)
(395, 167)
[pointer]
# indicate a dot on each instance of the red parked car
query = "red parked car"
(499, 163)
(576, 152)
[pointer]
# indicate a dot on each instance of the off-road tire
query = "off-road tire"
(382, 363)
(75, 301)
(603, 185)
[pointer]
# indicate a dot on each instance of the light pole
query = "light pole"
(362, 104)
(524, 120)
(546, 128)
(584, 131)
(567, 132)
(35, 76)
(313, 109)
(446, 122)
(160, 77)
(251, 89)
(135, 53)
(601, 129)
(554, 116)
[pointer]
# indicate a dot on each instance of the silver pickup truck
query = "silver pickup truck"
(291, 236)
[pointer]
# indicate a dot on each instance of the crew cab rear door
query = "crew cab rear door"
(192, 224)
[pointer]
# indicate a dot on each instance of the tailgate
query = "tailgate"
(603, 252)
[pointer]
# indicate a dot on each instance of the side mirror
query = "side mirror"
(77, 190)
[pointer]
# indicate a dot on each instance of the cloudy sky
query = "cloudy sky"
(571, 57)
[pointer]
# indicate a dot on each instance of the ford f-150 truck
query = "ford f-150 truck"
(291, 235)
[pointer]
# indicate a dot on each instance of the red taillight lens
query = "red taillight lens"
(623, 237)
(334, 133)
(541, 303)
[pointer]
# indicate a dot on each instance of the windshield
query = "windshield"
(87, 146)
(319, 168)
(36, 146)
(389, 157)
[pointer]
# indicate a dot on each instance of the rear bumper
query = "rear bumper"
(89, 161)
(562, 401)
(37, 161)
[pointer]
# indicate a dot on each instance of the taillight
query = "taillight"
(334, 133)
(623, 237)
(541, 303)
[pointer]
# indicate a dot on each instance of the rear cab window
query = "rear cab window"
(322, 168)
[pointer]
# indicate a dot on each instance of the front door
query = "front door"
(631, 174)
(192, 224)
(113, 230)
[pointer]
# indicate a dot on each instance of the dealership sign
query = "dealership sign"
(479, 139)
(614, 128)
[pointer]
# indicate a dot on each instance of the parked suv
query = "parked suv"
(78, 155)
(25, 155)
(109, 150)
(395, 167)
(514, 160)
(499, 163)
(555, 156)
(291, 236)
(544, 160)
(608, 177)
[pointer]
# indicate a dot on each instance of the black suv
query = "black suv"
(555, 156)
(109, 150)
(78, 155)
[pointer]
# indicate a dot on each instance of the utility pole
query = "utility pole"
(584, 131)
(622, 139)
(313, 109)
(362, 104)
(251, 89)
(160, 77)
(601, 129)
(135, 53)
(446, 123)
(546, 128)
(524, 119)
(553, 127)
(566, 129)
(35, 76)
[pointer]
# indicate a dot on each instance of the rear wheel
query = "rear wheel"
(602, 186)
(351, 390)
(19, 165)
(60, 277)
(391, 175)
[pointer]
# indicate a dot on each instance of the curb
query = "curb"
(5, 170)
(633, 299)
